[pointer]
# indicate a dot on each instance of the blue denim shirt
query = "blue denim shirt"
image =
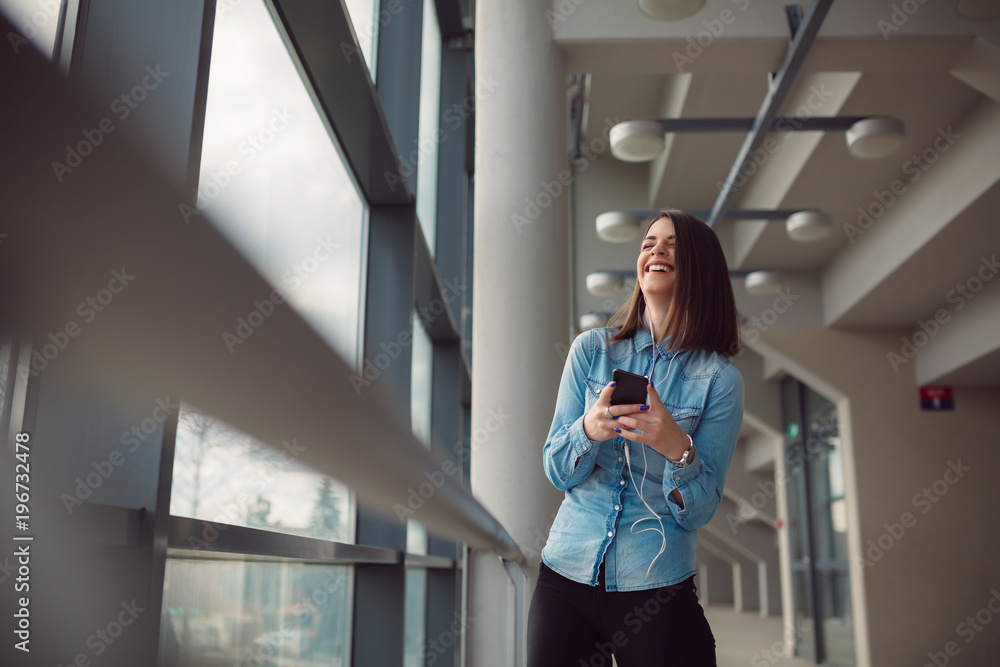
(704, 393)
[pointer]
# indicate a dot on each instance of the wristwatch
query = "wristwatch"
(687, 458)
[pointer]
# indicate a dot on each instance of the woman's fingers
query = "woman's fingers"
(596, 424)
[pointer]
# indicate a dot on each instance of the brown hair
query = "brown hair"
(702, 313)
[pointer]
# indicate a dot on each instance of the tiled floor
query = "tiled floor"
(747, 640)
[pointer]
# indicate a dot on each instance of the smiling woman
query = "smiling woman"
(682, 311)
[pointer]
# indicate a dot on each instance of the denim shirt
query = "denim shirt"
(704, 393)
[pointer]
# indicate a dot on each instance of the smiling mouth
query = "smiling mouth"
(659, 268)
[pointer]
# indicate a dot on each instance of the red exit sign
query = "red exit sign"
(936, 398)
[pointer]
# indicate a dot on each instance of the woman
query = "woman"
(617, 572)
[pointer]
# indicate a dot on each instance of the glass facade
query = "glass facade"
(36, 21)
(222, 475)
(242, 613)
(824, 626)
(273, 181)
(425, 158)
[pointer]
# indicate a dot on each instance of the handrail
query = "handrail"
(755, 514)
(163, 332)
(763, 596)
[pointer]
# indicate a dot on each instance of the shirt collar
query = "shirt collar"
(642, 340)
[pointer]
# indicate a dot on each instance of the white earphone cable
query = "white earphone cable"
(645, 466)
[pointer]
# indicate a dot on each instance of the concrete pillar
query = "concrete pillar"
(521, 301)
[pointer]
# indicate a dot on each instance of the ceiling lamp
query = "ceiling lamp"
(977, 10)
(875, 137)
(809, 225)
(637, 140)
(670, 10)
(590, 321)
(762, 283)
(605, 283)
(618, 226)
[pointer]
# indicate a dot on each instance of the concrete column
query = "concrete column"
(521, 303)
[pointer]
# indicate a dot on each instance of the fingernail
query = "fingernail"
(618, 430)
(613, 383)
(644, 407)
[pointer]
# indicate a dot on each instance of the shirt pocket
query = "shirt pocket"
(686, 418)
(595, 385)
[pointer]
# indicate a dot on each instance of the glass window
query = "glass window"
(421, 388)
(224, 476)
(429, 126)
(415, 619)
(363, 16)
(246, 613)
(35, 22)
(273, 181)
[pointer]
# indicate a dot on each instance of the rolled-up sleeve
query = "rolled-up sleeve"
(700, 484)
(568, 456)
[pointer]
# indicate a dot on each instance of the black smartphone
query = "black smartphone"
(629, 388)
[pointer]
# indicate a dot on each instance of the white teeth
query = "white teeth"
(660, 268)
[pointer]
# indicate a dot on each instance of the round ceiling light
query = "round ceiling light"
(618, 226)
(637, 140)
(590, 321)
(978, 10)
(670, 10)
(810, 225)
(875, 137)
(605, 283)
(762, 283)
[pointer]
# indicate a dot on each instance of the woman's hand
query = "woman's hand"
(659, 430)
(596, 424)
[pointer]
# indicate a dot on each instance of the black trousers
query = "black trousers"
(575, 625)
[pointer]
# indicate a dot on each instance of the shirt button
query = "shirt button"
(610, 534)
(617, 507)
(620, 459)
(621, 482)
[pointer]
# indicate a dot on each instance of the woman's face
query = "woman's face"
(656, 266)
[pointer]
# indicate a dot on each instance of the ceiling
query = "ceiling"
(934, 69)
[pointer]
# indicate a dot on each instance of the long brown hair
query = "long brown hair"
(702, 313)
